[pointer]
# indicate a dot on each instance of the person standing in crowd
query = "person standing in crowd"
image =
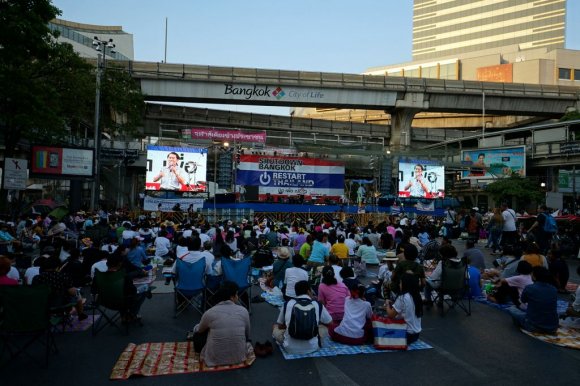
(509, 233)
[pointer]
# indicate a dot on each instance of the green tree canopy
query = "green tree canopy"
(523, 190)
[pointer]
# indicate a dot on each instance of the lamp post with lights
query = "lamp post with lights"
(104, 46)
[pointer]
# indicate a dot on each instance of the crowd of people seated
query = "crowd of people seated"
(310, 262)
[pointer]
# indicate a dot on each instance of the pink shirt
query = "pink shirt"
(333, 297)
(5, 280)
(520, 282)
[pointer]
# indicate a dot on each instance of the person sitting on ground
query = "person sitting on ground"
(408, 306)
(559, 270)
(532, 255)
(222, 336)
(293, 275)
(334, 262)
(306, 247)
(475, 255)
(505, 266)
(410, 264)
(332, 294)
(474, 280)
(511, 288)
(136, 255)
(263, 256)
(5, 265)
(340, 249)
(446, 253)
(430, 250)
(280, 266)
(355, 328)
(162, 245)
(301, 335)
(319, 252)
(541, 297)
(34, 271)
(63, 291)
(574, 308)
(367, 252)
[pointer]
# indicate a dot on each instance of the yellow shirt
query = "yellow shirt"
(340, 250)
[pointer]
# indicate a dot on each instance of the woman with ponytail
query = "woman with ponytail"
(332, 294)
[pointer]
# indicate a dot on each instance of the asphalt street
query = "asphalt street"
(481, 349)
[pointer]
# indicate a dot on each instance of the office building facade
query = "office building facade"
(443, 28)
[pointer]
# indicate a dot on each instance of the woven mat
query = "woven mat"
(151, 359)
(331, 348)
(565, 337)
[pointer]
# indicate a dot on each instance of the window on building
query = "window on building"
(564, 73)
(395, 73)
(429, 72)
(577, 75)
(413, 73)
(448, 71)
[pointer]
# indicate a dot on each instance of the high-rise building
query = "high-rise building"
(443, 28)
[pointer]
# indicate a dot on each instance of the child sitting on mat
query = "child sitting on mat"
(355, 327)
(408, 306)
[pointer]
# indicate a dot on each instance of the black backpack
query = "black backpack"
(303, 321)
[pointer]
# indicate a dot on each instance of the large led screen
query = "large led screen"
(421, 178)
(176, 168)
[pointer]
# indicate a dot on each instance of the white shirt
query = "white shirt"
(106, 247)
(351, 244)
(509, 220)
(191, 257)
(356, 313)
(337, 270)
(187, 233)
(405, 307)
(291, 277)
(13, 274)
(128, 234)
(100, 266)
(203, 237)
(30, 274)
(299, 346)
(209, 259)
(162, 245)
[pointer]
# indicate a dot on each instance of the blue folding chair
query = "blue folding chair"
(189, 286)
(239, 272)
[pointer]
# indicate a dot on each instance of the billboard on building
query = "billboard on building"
(176, 168)
(421, 178)
(291, 176)
(494, 163)
(62, 161)
(569, 181)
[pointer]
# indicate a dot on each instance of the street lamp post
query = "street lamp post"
(101, 60)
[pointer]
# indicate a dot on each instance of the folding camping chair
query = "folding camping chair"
(239, 272)
(24, 311)
(454, 288)
(189, 286)
(109, 295)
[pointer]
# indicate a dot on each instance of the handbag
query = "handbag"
(389, 334)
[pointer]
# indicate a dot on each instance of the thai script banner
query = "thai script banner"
(494, 163)
(227, 135)
(291, 175)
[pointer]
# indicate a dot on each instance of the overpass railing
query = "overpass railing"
(342, 80)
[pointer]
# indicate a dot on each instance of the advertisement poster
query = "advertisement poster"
(62, 161)
(291, 176)
(494, 163)
(421, 178)
(176, 169)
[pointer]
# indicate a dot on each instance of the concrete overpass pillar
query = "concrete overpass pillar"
(401, 120)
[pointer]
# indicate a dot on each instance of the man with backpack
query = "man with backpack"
(545, 227)
(297, 327)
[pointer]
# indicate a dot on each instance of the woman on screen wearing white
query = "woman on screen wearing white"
(417, 185)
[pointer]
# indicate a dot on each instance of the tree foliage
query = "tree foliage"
(48, 91)
(522, 189)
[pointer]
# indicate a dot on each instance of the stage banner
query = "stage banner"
(167, 204)
(227, 135)
(494, 163)
(176, 169)
(291, 176)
